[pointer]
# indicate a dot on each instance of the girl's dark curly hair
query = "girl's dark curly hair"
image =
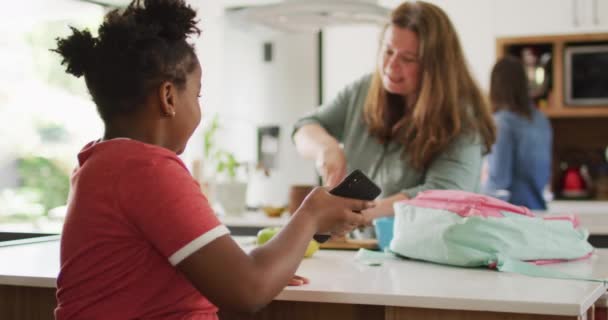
(137, 49)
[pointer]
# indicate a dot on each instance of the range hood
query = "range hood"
(309, 15)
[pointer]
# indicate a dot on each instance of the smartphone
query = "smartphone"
(355, 186)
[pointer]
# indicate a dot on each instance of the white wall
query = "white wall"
(209, 48)
(247, 92)
(351, 51)
(473, 22)
(348, 53)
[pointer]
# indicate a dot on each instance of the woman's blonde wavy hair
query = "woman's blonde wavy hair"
(449, 102)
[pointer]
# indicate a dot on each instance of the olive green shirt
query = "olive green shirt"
(459, 167)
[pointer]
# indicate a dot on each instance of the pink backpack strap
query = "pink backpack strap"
(466, 204)
(574, 219)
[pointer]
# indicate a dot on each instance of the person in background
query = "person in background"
(419, 122)
(140, 241)
(520, 161)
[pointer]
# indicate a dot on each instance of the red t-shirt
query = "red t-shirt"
(134, 213)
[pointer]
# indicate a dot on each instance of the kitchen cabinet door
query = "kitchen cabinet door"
(545, 17)
(535, 17)
(592, 15)
(601, 14)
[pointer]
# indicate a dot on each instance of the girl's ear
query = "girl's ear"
(167, 95)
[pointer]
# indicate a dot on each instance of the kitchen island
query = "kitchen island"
(342, 288)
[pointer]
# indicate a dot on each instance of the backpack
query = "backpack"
(465, 229)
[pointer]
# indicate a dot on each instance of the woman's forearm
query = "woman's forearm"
(312, 139)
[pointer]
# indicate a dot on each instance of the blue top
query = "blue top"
(520, 161)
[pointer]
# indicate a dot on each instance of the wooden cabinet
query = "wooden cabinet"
(555, 44)
(580, 133)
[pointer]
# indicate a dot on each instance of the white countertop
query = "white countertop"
(34, 265)
(337, 278)
(417, 284)
(573, 206)
(255, 219)
(593, 215)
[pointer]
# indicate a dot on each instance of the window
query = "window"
(46, 115)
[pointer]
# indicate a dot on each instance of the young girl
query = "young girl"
(140, 241)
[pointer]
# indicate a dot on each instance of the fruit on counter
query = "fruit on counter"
(267, 233)
(273, 212)
(313, 247)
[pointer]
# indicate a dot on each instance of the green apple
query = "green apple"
(267, 233)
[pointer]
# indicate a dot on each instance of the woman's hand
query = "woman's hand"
(332, 214)
(382, 208)
(314, 142)
(376, 212)
(331, 165)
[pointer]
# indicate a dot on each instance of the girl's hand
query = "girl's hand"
(297, 280)
(332, 214)
(331, 165)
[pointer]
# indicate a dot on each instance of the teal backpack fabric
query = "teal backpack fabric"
(470, 230)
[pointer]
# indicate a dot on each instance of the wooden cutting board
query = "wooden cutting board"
(350, 244)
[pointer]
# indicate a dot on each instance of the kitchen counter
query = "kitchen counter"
(250, 222)
(398, 286)
(575, 206)
(593, 215)
(407, 283)
(254, 219)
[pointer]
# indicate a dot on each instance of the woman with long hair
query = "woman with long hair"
(418, 122)
(520, 161)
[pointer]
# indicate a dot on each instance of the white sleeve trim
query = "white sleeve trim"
(197, 243)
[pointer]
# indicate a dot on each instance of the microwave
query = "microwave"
(586, 75)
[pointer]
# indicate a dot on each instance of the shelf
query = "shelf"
(556, 44)
(576, 112)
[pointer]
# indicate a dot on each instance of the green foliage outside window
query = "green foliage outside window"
(47, 63)
(42, 176)
(40, 143)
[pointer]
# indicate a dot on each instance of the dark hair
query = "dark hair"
(509, 87)
(137, 49)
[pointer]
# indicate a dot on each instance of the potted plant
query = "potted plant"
(226, 190)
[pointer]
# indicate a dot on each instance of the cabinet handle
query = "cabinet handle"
(575, 13)
(596, 18)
